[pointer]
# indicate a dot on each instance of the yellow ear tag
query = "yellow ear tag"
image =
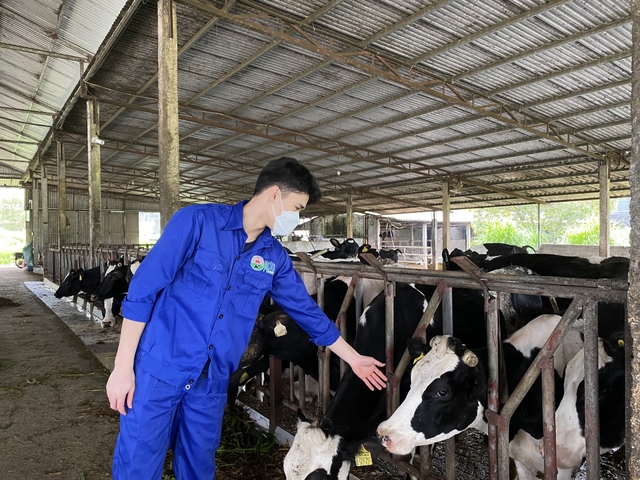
(244, 377)
(363, 457)
(80, 277)
(365, 249)
(418, 358)
(621, 343)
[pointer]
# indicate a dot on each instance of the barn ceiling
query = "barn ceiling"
(512, 101)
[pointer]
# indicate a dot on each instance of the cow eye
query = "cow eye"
(442, 393)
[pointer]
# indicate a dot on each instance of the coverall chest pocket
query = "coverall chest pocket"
(253, 289)
(207, 273)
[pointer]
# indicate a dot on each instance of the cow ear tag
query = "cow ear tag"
(80, 277)
(621, 343)
(417, 359)
(363, 457)
(279, 330)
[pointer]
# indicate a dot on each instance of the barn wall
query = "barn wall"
(119, 218)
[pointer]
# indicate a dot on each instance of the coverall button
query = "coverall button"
(210, 347)
(229, 287)
(238, 257)
(191, 381)
(221, 316)
(187, 387)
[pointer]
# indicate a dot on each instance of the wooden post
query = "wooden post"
(603, 179)
(45, 206)
(168, 135)
(632, 347)
(62, 207)
(539, 227)
(446, 217)
(349, 215)
(45, 216)
(35, 219)
(95, 192)
(425, 252)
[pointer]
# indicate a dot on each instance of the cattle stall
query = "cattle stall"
(585, 293)
(397, 107)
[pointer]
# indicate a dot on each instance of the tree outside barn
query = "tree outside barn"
(573, 223)
(12, 223)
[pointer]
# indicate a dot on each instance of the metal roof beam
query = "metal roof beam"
(577, 93)
(559, 73)
(599, 108)
(374, 64)
(487, 31)
(543, 48)
(25, 110)
(46, 53)
(362, 44)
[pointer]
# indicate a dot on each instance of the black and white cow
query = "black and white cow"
(77, 281)
(113, 289)
(563, 266)
(355, 412)
(449, 391)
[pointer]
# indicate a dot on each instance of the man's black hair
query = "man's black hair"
(291, 176)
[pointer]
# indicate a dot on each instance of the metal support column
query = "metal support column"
(539, 227)
(591, 396)
(434, 242)
(603, 179)
(349, 215)
(95, 192)
(446, 216)
(632, 365)
(447, 329)
(168, 134)
(389, 294)
(425, 251)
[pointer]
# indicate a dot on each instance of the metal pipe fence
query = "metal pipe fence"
(584, 292)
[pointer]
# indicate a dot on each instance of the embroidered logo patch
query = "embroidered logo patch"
(257, 263)
(269, 267)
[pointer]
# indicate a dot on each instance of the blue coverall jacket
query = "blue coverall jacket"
(199, 294)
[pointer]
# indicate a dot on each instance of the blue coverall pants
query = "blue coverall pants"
(189, 422)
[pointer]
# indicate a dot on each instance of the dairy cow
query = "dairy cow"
(77, 281)
(449, 391)
(113, 289)
(355, 412)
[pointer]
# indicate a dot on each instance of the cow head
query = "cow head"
(70, 285)
(447, 396)
(349, 248)
(114, 282)
(317, 454)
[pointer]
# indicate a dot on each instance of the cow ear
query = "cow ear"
(417, 349)
(335, 243)
(301, 417)
(373, 446)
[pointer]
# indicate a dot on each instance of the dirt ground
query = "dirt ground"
(55, 422)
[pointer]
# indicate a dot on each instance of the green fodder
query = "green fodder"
(242, 440)
(242, 444)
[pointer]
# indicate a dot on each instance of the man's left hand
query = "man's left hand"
(367, 369)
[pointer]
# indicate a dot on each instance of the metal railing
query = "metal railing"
(585, 294)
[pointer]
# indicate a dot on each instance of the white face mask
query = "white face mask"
(286, 222)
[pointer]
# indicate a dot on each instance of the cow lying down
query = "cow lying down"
(449, 395)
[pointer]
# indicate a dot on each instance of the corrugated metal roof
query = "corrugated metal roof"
(41, 82)
(562, 62)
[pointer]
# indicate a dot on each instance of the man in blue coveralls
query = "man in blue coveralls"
(188, 317)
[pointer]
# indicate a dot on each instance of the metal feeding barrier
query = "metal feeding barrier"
(585, 294)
